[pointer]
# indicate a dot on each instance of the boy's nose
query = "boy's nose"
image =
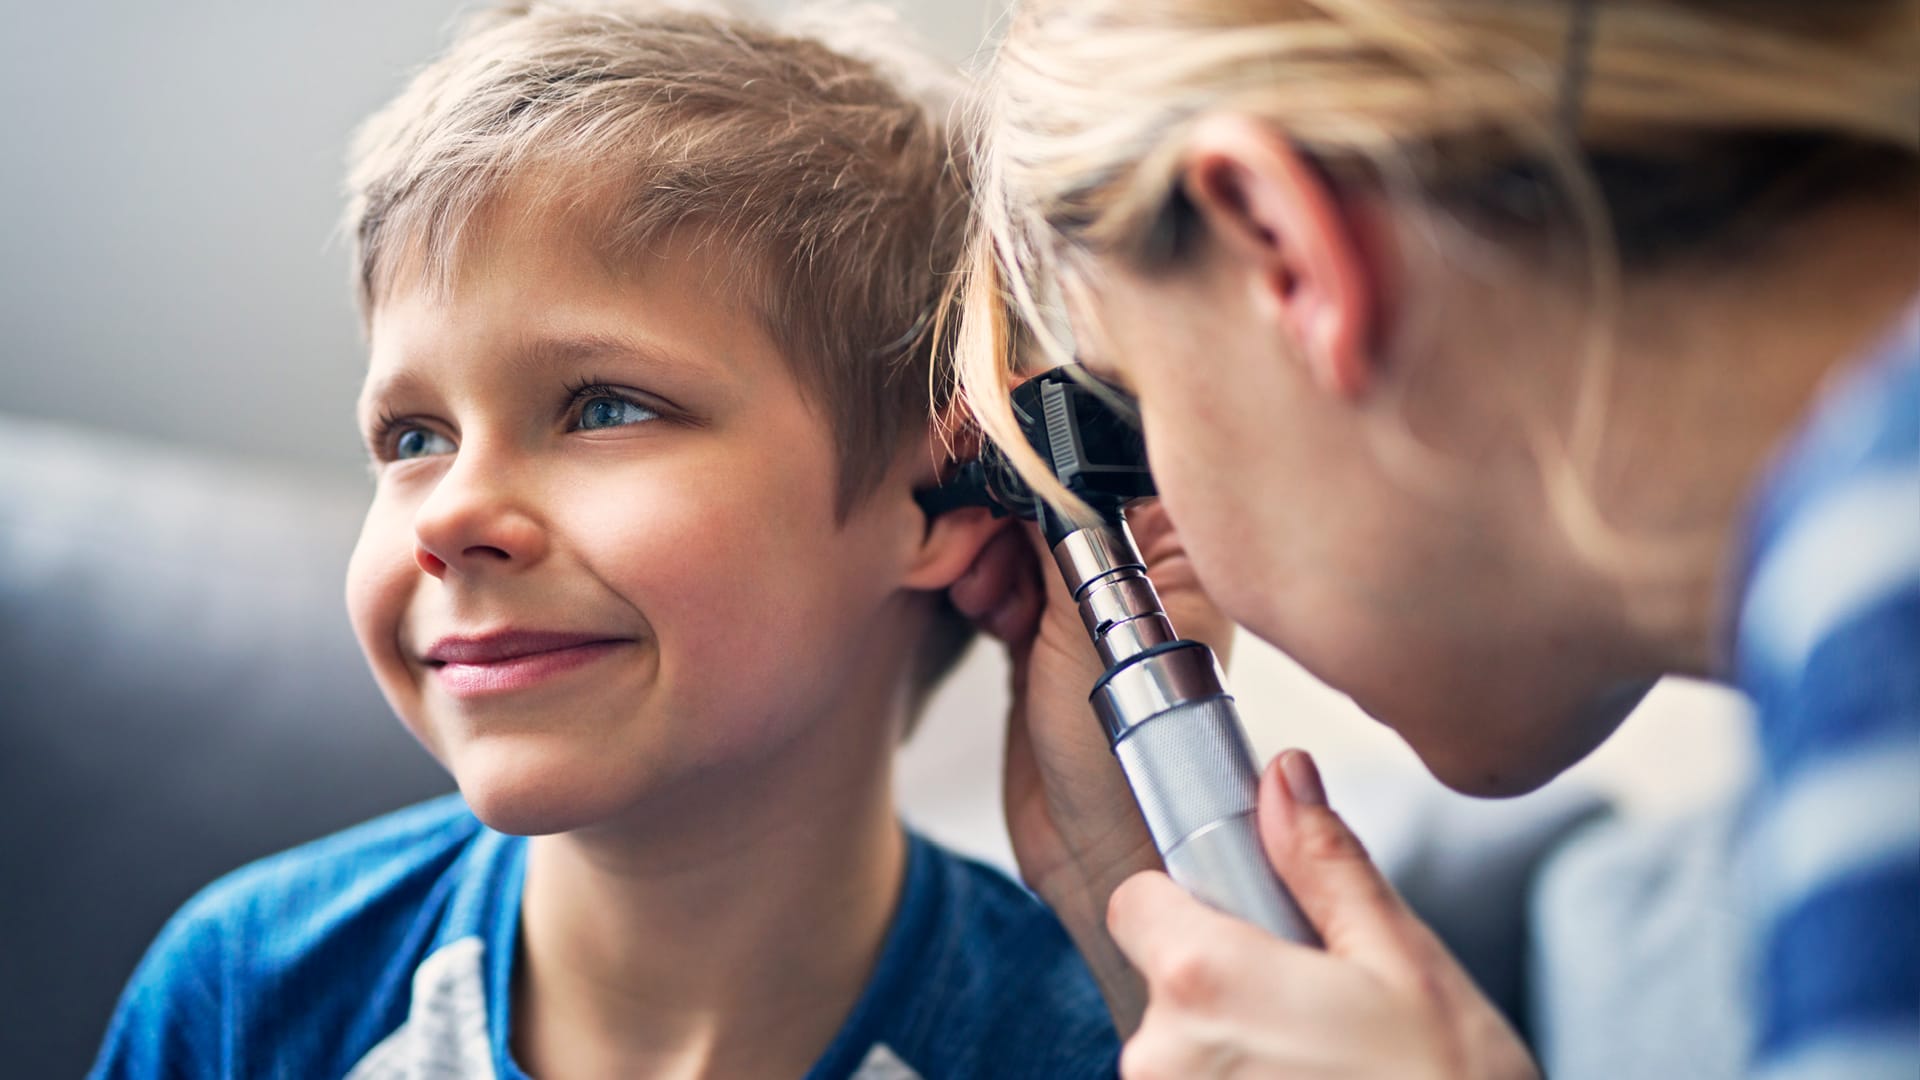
(473, 523)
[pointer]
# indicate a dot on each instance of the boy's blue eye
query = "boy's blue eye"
(612, 412)
(417, 442)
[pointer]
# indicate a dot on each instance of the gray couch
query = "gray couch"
(180, 693)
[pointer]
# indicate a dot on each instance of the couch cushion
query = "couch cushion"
(180, 692)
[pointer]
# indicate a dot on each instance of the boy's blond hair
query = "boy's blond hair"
(832, 176)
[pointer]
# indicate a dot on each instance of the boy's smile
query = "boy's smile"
(603, 554)
(511, 659)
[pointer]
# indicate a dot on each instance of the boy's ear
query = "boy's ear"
(951, 542)
(1277, 218)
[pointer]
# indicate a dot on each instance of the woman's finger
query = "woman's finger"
(1163, 1050)
(1190, 954)
(1018, 614)
(1339, 889)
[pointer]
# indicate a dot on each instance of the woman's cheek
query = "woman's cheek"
(1191, 502)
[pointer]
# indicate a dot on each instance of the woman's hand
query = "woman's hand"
(1076, 831)
(1220, 997)
(1385, 999)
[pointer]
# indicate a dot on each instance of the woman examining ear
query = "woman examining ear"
(1496, 358)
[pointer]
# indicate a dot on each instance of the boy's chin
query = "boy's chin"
(525, 793)
(523, 810)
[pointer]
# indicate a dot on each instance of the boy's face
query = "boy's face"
(603, 556)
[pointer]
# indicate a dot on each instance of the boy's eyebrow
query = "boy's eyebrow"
(575, 349)
(546, 353)
(392, 384)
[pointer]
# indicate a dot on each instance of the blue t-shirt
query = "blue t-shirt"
(1828, 648)
(388, 951)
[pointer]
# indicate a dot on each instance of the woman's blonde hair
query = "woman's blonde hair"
(1646, 129)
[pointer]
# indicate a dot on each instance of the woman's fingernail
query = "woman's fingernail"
(1303, 778)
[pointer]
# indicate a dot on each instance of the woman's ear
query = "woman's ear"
(1273, 214)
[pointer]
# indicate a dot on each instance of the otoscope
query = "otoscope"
(1162, 699)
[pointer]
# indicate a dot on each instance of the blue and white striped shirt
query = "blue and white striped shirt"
(1828, 647)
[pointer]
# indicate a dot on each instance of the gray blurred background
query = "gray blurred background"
(168, 264)
(180, 480)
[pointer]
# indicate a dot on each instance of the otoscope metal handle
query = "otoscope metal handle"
(1177, 735)
(1192, 772)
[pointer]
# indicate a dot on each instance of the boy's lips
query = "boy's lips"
(469, 666)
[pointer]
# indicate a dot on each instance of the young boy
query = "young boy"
(646, 293)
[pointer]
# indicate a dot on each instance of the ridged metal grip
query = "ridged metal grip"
(1192, 773)
(1164, 705)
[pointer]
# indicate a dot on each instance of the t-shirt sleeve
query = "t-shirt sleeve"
(1835, 855)
(1829, 633)
(170, 1016)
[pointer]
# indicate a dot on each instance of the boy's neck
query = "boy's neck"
(726, 934)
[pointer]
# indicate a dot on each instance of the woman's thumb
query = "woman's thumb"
(1345, 897)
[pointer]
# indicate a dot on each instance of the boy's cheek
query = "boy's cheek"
(696, 532)
(379, 579)
(378, 592)
(742, 583)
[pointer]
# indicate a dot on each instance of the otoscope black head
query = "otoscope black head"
(1080, 431)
